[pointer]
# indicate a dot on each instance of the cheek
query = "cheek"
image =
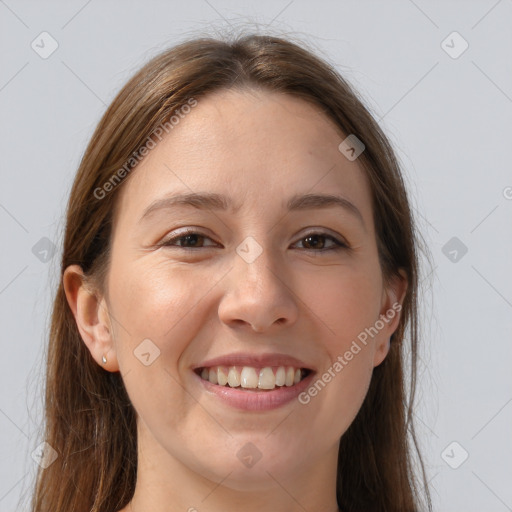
(348, 390)
(156, 303)
(152, 300)
(157, 311)
(345, 302)
(336, 395)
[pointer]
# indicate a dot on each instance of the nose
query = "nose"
(258, 295)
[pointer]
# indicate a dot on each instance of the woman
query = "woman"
(239, 269)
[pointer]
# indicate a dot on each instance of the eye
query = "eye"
(188, 240)
(317, 242)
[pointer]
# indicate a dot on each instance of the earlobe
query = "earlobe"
(381, 352)
(91, 316)
(392, 301)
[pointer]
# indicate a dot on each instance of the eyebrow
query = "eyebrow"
(218, 202)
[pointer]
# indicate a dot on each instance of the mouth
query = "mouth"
(249, 378)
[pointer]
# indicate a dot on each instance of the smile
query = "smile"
(252, 378)
(254, 389)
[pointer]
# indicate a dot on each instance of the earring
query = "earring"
(104, 360)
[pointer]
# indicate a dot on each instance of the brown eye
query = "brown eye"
(318, 241)
(190, 240)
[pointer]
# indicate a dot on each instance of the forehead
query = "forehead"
(257, 147)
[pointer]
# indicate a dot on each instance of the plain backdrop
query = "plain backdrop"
(438, 77)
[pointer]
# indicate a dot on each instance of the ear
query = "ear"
(92, 317)
(393, 296)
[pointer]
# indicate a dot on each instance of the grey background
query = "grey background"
(449, 119)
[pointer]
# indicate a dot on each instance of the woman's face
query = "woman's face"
(254, 279)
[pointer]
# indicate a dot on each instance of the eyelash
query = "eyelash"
(339, 245)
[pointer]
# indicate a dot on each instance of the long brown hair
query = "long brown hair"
(89, 419)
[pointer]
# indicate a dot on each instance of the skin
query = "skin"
(258, 148)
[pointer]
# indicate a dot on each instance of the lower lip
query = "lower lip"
(256, 400)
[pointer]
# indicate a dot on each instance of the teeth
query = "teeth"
(233, 378)
(249, 378)
(290, 376)
(267, 379)
(253, 378)
(222, 376)
(280, 376)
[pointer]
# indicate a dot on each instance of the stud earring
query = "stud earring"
(104, 360)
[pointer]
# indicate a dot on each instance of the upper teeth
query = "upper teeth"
(252, 378)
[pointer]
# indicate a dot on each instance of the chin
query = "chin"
(246, 474)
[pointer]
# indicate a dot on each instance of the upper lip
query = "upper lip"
(254, 360)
